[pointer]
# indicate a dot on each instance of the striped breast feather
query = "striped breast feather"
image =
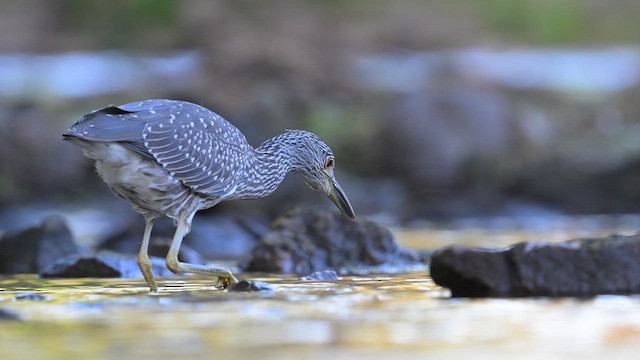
(202, 150)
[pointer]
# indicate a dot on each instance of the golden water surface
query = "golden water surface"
(362, 317)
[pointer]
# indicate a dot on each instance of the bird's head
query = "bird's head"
(315, 163)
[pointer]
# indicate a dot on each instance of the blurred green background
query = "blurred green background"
(435, 109)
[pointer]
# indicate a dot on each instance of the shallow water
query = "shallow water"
(355, 317)
(386, 316)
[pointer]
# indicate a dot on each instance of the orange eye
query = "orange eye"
(329, 163)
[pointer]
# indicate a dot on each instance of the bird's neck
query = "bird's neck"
(266, 169)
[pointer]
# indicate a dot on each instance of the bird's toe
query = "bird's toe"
(226, 281)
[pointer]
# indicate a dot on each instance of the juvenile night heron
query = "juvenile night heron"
(173, 158)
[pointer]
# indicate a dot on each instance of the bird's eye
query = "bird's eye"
(329, 162)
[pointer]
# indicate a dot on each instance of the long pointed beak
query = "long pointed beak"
(336, 194)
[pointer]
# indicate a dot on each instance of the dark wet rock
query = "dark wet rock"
(32, 297)
(324, 275)
(31, 250)
(128, 239)
(251, 286)
(302, 242)
(8, 315)
(582, 267)
(221, 238)
(160, 248)
(105, 264)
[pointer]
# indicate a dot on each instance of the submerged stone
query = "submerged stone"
(303, 242)
(30, 250)
(251, 286)
(32, 297)
(160, 248)
(581, 267)
(105, 264)
(218, 238)
(323, 275)
(8, 315)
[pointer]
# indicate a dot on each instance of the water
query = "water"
(87, 74)
(606, 70)
(90, 74)
(401, 317)
(360, 317)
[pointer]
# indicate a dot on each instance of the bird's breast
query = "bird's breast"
(142, 182)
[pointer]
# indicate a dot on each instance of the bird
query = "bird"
(171, 158)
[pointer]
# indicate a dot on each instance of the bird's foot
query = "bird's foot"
(225, 281)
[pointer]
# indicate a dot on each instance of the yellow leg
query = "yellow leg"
(225, 277)
(143, 257)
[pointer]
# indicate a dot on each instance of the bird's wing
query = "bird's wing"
(108, 124)
(112, 124)
(196, 146)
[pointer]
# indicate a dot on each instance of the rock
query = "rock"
(8, 315)
(105, 264)
(158, 247)
(324, 275)
(32, 297)
(31, 250)
(251, 286)
(581, 267)
(128, 238)
(302, 242)
(221, 238)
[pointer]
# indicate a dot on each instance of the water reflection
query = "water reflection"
(373, 316)
(501, 231)
(589, 70)
(382, 316)
(85, 74)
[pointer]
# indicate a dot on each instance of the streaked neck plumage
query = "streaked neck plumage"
(267, 166)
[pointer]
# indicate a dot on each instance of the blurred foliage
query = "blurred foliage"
(409, 24)
(563, 21)
(270, 65)
(558, 21)
(120, 23)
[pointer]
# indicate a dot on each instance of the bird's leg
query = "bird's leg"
(143, 257)
(225, 277)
